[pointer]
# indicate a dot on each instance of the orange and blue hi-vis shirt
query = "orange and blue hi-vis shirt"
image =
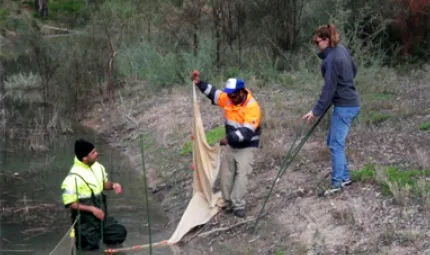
(242, 122)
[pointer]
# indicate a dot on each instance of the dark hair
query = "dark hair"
(328, 32)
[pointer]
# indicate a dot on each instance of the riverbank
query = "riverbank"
(33, 217)
(364, 218)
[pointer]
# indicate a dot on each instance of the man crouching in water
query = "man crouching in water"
(83, 188)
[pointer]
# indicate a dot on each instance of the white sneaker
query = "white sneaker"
(329, 191)
(346, 182)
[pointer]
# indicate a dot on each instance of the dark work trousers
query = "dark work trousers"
(89, 228)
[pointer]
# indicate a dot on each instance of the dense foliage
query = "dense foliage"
(85, 48)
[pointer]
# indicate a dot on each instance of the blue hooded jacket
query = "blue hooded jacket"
(339, 70)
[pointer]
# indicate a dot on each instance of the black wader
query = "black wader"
(89, 226)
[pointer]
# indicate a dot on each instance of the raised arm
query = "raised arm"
(218, 97)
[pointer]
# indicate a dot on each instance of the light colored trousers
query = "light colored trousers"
(236, 168)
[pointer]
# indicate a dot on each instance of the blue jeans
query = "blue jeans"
(340, 123)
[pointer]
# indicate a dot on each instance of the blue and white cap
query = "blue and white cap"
(233, 84)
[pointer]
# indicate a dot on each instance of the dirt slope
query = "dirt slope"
(361, 220)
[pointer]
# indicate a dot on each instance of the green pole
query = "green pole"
(102, 206)
(288, 160)
(146, 193)
(78, 234)
(285, 164)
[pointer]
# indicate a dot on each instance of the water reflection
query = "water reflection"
(33, 219)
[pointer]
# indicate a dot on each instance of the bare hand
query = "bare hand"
(308, 116)
(224, 141)
(117, 188)
(98, 213)
(195, 77)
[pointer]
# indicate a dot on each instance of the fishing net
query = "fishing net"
(67, 244)
(204, 203)
(206, 161)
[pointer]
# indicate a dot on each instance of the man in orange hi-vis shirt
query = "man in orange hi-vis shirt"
(242, 126)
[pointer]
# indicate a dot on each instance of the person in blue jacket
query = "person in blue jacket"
(339, 70)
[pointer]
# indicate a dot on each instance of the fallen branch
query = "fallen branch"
(6, 240)
(26, 209)
(227, 228)
(194, 235)
(61, 35)
(32, 230)
(60, 29)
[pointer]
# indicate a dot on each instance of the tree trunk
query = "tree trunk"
(195, 41)
(216, 11)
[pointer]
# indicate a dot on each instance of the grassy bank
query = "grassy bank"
(403, 185)
(126, 73)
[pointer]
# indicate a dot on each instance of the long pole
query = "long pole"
(146, 193)
(288, 159)
(78, 234)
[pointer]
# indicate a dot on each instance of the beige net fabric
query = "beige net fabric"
(206, 160)
(67, 243)
(203, 205)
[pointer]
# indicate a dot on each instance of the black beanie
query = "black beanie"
(82, 148)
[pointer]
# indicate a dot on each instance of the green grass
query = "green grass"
(4, 14)
(212, 136)
(66, 9)
(382, 96)
(376, 117)
(372, 117)
(379, 96)
(425, 126)
(376, 108)
(67, 6)
(392, 175)
(365, 174)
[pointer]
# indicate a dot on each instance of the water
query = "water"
(35, 220)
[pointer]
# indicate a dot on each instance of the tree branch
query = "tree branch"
(216, 230)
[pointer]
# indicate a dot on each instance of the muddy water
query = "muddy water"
(33, 218)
